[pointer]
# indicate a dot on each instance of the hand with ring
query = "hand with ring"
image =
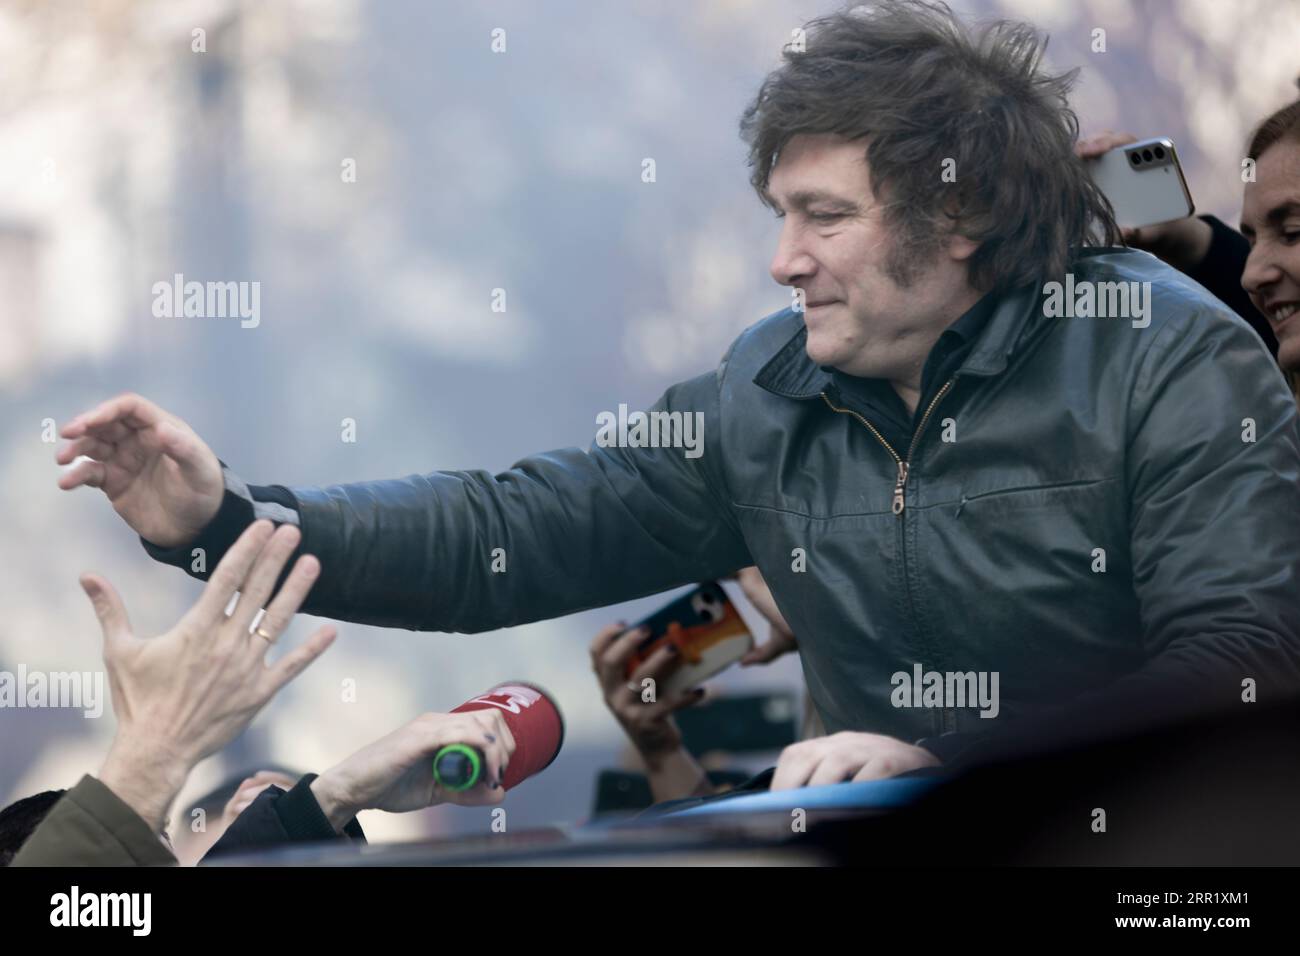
(187, 693)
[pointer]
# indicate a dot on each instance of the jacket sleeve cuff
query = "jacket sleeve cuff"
(241, 505)
(91, 826)
(304, 820)
(120, 821)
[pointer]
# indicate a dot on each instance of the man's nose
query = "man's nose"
(791, 262)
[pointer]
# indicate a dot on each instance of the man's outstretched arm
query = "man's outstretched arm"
(450, 551)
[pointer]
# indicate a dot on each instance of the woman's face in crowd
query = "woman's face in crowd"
(1270, 219)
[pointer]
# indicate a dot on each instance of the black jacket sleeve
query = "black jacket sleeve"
(277, 817)
(574, 530)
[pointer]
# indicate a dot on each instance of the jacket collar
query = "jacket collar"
(792, 374)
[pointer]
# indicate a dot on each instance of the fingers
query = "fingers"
(1103, 142)
(794, 767)
(656, 666)
(92, 474)
(778, 642)
(264, 777)
(116, 457)
(498, 749)
(611, 650)
(129, 421)
(604, 638)
(633, 710)
(297, 660)
(485, 730)
(612, 663)
(875, 769)
(257, 587)
(1088, 148)
(111, 431)
(249, 789)
(819, 761)
(832, 768)
(507, 736)
(129, 429)
(128, 410)
(686, 699)
(89, 446)
(290, 597)
(844, 756)
(108, 608)
(894, 758)
(245, 784)
(244, 796)
(229, 576)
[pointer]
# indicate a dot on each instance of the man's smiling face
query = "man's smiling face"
(836, 246)
(1270, 219)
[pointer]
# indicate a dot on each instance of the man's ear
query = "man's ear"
(959, 248)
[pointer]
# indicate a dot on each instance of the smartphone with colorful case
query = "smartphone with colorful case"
(707, 631)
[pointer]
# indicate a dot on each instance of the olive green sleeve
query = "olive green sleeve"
(91, 826)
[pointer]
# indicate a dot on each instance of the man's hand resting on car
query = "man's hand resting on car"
(847, 756)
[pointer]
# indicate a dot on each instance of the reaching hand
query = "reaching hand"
(186, 694)
(157, 473)
(847, 756)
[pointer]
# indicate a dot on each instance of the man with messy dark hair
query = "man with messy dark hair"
(945, 483)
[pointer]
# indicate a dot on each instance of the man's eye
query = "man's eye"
(825, 216)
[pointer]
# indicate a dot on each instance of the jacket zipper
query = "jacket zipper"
(904, 464)
(946, 719)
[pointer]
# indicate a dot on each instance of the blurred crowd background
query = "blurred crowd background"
(127, 157)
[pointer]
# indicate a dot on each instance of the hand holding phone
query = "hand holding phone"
(1143, 181)
(705, 629)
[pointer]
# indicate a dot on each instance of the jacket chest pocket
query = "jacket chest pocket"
(1032, 581)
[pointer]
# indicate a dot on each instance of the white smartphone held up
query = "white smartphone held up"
(1144, 182)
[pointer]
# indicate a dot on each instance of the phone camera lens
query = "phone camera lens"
(1146, 154)
(1135, 159)
(1160, 152)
